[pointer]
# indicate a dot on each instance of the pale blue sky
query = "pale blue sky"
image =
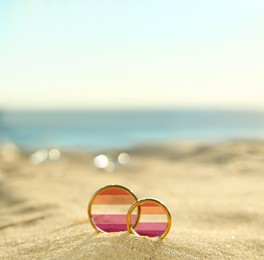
(82, 54)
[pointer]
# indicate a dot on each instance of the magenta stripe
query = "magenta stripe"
(112, 218)
(151, 226)
(112, 227)
(123, 227)
(150, 233)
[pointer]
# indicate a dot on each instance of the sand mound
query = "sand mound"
(79, 244)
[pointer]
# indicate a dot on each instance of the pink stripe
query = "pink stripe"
(111, 218)
(112, 227)
(151, 226)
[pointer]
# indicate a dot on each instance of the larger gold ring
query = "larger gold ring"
(107, 208)
(152, 213)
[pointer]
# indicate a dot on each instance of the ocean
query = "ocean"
(102, 129)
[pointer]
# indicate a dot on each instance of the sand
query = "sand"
(215, 193)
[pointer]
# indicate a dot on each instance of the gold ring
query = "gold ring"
(117, 200)
(150, 209)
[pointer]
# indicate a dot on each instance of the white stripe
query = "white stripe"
(153, 218)
(110, 209)
(123, 209)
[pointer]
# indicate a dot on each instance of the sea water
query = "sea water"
(102, 129)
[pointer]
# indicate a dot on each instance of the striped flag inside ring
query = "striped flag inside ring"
(110, 207)
(153, 220)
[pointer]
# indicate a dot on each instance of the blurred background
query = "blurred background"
(115, 74)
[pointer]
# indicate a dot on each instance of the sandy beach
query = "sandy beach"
(215, 193)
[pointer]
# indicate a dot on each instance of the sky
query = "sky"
(78, 54)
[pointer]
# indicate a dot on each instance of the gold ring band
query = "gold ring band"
(131, 228)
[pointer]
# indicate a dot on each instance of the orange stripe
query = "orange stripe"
(152, 210)
(113, 199)
(150, 204)
(114, 191)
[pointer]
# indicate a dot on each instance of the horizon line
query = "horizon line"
(138, 108)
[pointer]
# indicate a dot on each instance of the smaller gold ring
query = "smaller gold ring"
(131, 229)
